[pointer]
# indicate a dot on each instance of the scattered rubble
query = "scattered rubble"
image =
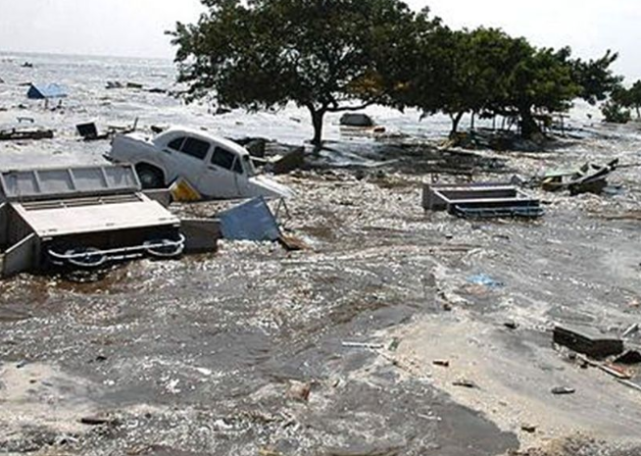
(562, 391)
(299, 391)
(590, 178)
(89, 132)
(22, 134)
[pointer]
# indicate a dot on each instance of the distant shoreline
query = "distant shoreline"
(6, 53)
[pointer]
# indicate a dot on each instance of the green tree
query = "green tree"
(629, 98)
(320, 54)
(615, 112)
(464, 71)
(541, 82)
(595, 77)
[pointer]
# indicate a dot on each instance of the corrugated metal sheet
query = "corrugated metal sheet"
(42, 92)
(251, 221)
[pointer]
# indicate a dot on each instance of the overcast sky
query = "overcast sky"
(135, 27)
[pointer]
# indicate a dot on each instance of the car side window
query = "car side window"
(195, 148)
(227, 160)
(177, 143)
(238, 167)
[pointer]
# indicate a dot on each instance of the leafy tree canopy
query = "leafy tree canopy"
(320, 54)
(339, 55)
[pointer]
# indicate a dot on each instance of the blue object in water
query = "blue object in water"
(251, 221)
(485, 280)
(43, 92)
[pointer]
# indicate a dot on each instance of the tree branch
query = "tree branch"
(352, 108)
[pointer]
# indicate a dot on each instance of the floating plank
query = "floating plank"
(588, 341)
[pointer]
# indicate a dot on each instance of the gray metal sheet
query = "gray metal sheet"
(20, 257)
(4, 221)
(251, 221)
(42, 184)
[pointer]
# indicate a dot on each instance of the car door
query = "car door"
(219, 179)
(188, 156)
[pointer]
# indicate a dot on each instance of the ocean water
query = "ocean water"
(86, 78)
(196, 356)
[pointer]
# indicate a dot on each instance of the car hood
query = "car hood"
(271, 187)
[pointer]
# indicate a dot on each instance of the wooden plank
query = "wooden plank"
(587, 341)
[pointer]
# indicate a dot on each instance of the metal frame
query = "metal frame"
(124, 253)
(481, 200)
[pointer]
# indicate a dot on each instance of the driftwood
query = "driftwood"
(588, 342)
(19, 135)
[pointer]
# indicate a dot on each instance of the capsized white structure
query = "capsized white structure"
(84, 217)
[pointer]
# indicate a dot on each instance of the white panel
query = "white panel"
(96, 218)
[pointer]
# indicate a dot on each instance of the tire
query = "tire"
(150, 177)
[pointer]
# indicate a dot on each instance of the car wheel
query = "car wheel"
(149, 177)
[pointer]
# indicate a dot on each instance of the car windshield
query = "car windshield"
(249, 166)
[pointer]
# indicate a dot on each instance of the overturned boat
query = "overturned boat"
(87, 217)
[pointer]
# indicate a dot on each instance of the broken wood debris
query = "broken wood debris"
(631, 330)
(465, 384)
(629, 358)
(630, 384)
(362, 345)
(98, 420)
(589, 178)
(608, 369)
(16, 134)
(89, 132)
(587, 341)
(562, 391)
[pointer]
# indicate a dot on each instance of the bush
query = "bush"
(615, 113)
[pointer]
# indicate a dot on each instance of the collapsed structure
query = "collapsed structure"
(86, 217)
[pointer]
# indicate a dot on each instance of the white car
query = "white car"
(216, 167)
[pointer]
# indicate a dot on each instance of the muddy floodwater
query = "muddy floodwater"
(374, 341)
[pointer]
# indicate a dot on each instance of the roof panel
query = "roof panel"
(43, 184)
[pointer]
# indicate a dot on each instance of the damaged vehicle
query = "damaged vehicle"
(216, 167)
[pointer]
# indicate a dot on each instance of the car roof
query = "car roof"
(206, 136)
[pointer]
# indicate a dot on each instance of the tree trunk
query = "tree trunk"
(317, 122)
(456, 119)
(529, 127)
(638, 113)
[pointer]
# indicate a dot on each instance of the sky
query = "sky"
(135, 27)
